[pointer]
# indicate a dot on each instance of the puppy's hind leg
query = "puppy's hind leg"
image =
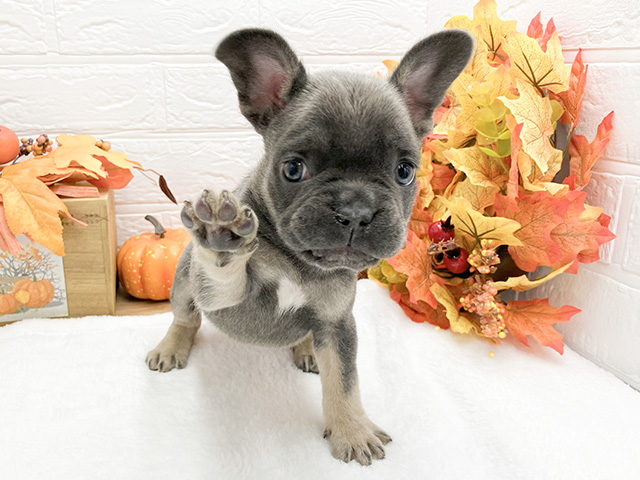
(303, 355)
(173, 351)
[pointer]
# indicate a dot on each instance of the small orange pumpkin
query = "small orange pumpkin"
(147, 262)
(8, 303)
(9, 145)
(33, 294)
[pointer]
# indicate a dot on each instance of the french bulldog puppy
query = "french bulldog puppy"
(275, 262)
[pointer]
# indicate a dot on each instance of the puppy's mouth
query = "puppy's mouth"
(339, 257)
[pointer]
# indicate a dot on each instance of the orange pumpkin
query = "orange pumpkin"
(8, 303)
(9, 145)
(33, 294)
(147, 262)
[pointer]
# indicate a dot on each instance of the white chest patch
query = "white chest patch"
(290, 295)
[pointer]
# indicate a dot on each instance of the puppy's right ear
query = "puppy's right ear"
(265, 70)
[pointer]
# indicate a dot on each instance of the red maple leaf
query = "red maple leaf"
(414, 262)
(536, 31)
(442, 176)
(536, 318)
(579, 240)
(117, 177)
(420, 312)
(538, 214)
(571, 99)
(584, 154)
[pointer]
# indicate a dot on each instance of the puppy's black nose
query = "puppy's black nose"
(355, 215)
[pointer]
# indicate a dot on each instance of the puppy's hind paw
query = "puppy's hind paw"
(220, 222)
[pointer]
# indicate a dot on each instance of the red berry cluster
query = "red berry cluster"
(445, 252)
(482, 300)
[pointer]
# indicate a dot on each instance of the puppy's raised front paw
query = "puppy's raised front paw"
(220, 223)
(362, 443)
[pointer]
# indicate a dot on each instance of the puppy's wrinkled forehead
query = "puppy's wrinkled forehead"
(348, 113)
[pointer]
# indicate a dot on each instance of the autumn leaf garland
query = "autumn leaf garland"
(30, 189)
(490, 168)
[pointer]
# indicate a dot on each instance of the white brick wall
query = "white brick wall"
(141, 73)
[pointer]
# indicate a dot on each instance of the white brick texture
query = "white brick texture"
(141, 73)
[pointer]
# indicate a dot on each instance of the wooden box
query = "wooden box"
(90, 255)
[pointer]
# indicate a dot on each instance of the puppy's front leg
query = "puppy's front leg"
(211, 274)
(351, 434)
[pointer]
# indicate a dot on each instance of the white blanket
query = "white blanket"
(78, 402)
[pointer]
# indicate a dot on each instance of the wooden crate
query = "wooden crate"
(90, 255)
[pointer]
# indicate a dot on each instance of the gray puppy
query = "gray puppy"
(275, 262)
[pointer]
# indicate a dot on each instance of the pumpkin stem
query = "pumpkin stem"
(157, 225)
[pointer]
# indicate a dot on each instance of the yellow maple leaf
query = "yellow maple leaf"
(480, 168)
(539, 69)
(32, 208)
(80, 150)
(458, 322)
(522, 283)
(535, 113)
(476, 226)
(480, 197)
(461, 89)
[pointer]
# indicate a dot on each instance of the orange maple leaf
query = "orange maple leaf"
(584, 154)
(578, 240)
(32, 208)
(536, 318)
(414, 262)
(571, 99)
(538, 214)
(419, 222)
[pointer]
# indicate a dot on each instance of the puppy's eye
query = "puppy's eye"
(294, 170)
(405, 173)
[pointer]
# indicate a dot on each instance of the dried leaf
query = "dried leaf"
(536, 318)
(541, 70)
(32, 208)
(571, 99)
(538, 214)
(165, 189)
(413, 261)
(480, 168)
(584, 154)
(477, 226)
(579, 240)
(116, 177)
(535, 113)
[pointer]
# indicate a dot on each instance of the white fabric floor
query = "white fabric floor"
(78, 402)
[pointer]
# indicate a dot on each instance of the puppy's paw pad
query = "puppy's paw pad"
(219, 222)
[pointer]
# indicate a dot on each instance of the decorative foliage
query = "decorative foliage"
(491, 206)
(31, 189)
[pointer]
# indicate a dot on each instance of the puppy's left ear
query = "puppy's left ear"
(265, 70)
(427, 70)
